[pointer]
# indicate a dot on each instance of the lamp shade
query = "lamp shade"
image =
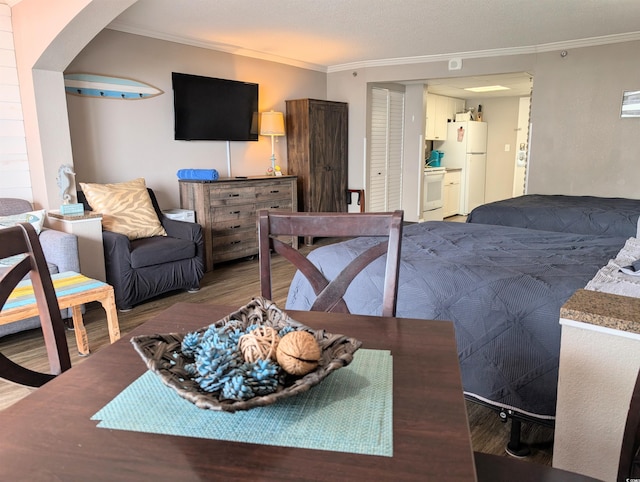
(272, 124)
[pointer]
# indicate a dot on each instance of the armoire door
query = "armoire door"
(328, 146)
(386, 150)
(317, 150)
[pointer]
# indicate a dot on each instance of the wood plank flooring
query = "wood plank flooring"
(235, 283)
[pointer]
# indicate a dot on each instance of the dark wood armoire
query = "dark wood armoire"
(317, 144)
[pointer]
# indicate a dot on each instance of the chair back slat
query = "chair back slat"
(23, 240)
(629, 467)
(329, 293)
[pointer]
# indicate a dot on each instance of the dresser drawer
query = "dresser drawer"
(230, 228)
(233, 214)
(282, 204)
(273, 191)
(234, 244)
(231, 194)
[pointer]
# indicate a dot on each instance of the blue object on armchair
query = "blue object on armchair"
(144, 268)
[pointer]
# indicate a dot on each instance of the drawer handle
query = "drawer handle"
(274, 192)
(234, 195)
(274, 207)
(235, 227)
(235, 242)
(234, 212)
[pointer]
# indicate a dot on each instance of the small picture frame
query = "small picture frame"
(630, 104)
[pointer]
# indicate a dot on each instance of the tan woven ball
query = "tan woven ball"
(298, 352)
(259, 344)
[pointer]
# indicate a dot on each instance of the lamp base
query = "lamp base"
(274, 170)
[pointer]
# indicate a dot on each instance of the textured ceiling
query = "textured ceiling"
(329, 34)
(333, 35)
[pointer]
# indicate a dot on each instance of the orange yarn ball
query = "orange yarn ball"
(259, 344)
(298, 353)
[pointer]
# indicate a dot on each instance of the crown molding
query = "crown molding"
(231, 49)
(549, 47)
(533, 49)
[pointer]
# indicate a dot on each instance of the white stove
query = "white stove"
(432, 195)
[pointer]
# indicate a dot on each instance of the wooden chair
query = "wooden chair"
(23, 240)
(629, 466)
(272, 224)
(494, 468)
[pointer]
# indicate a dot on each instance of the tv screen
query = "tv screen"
(213, 109)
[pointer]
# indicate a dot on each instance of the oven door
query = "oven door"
(433, 189)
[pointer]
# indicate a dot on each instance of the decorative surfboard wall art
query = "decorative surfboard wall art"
(93, 85)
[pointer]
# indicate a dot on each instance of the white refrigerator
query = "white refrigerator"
(466, 148)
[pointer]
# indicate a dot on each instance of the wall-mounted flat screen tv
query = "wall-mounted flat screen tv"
(213, 109)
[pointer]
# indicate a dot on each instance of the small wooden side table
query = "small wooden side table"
(73, 290)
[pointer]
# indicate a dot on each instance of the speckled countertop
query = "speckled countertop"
(74, 217)
(603, 309)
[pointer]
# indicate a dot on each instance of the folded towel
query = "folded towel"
(198, 174)
(633, 269)
(610, 279)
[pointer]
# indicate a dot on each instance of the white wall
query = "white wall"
(522, 141)
(598, 370)
(47, 35)
(501, 116)
(414, 125)
(14, 164)
(117, 140)
(579, 143)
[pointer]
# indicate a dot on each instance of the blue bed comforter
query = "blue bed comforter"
(501, 286)
(569, 214)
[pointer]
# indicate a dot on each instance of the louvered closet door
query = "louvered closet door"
(385, 141)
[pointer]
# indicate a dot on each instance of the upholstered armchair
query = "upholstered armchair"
(143, 268)
(60, 251)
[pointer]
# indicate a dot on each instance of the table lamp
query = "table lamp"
(272, 124)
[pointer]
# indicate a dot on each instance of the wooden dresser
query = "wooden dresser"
(226, 209)
(317, 147)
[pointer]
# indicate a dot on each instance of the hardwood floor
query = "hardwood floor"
(235, 283)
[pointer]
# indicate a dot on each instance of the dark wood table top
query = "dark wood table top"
(49, 434)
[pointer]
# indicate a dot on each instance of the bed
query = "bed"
(570, 214)
(501, 286)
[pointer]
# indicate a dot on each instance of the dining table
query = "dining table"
(53, 433)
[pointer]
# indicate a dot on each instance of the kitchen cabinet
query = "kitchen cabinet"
(456, 106)
(317, 147)
(437, 117)
(451, 193)
(227, 211)
(441, 109)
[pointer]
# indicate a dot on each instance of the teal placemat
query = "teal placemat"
(350, 411)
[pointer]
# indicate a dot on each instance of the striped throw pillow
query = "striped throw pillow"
(126, 208)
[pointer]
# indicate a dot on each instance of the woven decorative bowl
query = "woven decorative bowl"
(163, 356)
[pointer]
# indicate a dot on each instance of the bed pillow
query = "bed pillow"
(126, 208)
(35, 218)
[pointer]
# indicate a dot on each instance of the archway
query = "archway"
(48, 36)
